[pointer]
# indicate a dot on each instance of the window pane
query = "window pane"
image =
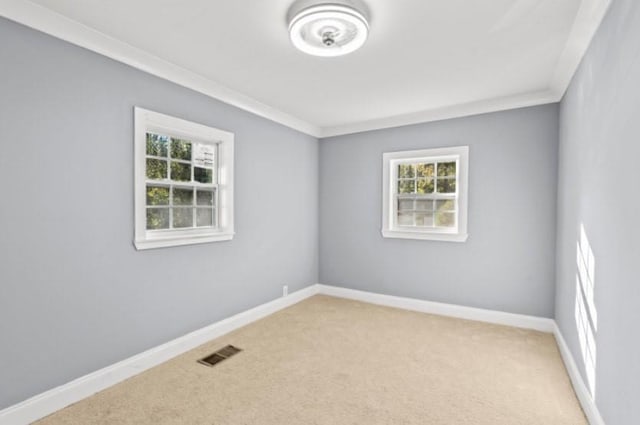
(157, 145)
(425, 185)
(446, 205)
(203, 175)
(205, 197)
(182, 217)
(447, 169)
(406, 171)
(157, 218)
(406, 186)
(204, 154)
(180, 149)
(405, 219)
(425, 170)
(157, 195)
(405, 204)
(424, 219)
(445, 219)
(204, 217)
(180, 172)
(446, 185)
(182, 196)
(156, 169)
(424, 204)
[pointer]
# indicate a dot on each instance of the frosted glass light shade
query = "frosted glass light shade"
(328, 30)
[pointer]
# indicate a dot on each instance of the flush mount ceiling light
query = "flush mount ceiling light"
(328, 29)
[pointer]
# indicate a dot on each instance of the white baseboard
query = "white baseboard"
(451, 310)
(582, 392)
(57, 398)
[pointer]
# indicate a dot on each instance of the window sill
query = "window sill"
(425, 236)
(179, 241)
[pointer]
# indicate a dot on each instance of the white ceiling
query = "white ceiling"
(424, 60)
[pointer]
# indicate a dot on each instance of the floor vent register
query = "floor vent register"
(220, 355)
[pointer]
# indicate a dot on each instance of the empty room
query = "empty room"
(416, 212)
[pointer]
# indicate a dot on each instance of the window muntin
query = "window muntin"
(425, 194)
(184, 182)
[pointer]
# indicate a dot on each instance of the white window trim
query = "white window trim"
(390, 181)
(146, 120)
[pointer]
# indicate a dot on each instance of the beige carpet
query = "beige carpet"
(333, 361)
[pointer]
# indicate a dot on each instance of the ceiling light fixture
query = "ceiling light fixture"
(328, 29)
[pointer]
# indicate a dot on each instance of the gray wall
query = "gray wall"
(598, 188)
(508, 261)
(74, 294)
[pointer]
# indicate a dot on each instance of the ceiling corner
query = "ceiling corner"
(585, 26)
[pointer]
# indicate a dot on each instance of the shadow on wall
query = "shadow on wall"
(585, 309)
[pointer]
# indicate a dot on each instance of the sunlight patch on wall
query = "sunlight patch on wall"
(585, 309)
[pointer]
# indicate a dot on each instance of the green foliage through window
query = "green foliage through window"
(445, 219)
(180, 172)
(406, 171)
(156, 169)
(446, 169)
(157, 145)
(180, 149)
(157, 218)
(425, 170)
(157, 195)
(182, 196)
(406, 186)
(425, 185)
(446, 205)
(446, 185)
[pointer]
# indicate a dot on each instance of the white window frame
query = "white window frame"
(390, 162)
(150, 121)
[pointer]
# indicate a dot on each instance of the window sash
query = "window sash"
(435, 195)
(434, 211)
(193, 185)
(171, 205)
(413, 227)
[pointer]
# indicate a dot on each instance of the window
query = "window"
(425, 194)
(183, 182)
